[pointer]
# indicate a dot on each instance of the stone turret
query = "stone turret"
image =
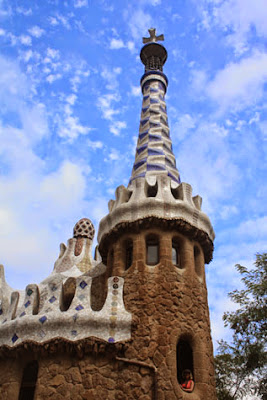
(126, 324)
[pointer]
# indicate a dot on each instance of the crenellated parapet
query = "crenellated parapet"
(42, 313)
(159, 198)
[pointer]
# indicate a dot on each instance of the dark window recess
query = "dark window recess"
(197, 258)
(152, 190)
(28, 382)
(128, 254)
(176, 255)
(152, 249)
(110, 263)
(184, 359)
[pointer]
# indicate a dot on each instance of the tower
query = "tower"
(126, 324)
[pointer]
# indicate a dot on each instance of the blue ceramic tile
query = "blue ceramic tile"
(83, 284)
(75, 317)
(144, 109)
(174, 178)
(53, 288)
(79, 307)
(111, 340)
(43, 319)
(155, 167)
(29, 292)
(27, 304)
(141, 149)
(139, 163)
(74, 333)
(154, 124)
(52, 299)
(143, 134)
(22, 314)
(14, 338)
(144, 121)
(155, 152)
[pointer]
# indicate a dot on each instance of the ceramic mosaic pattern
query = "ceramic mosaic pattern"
(112, 323)
(154, 154)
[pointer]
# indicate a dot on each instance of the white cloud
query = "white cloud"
(138, 21)
(61, 19)
(104, 103)
(240, 84)
(63, 187)
(80, 3)
(2, 32)
(114, 155)
(110, 75)
(52, 53)
(130, 46)
(117, 126)
(53, 77)
(36, 31)
(95, 144)
(24, 11)
(198, 80)
(136, 91)
(25, 40)
(182, 126)
(206, 160)
(53, 21)
(116, 44)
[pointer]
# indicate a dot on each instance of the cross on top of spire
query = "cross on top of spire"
(153, 37)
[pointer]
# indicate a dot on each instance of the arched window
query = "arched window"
(28, 383)
(176, 253)
(128, 253)
(184, 358)
(152, 250)
(198, 261)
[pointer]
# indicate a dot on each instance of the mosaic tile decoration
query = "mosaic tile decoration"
(112, 323)
(30, 301)
(154, 147)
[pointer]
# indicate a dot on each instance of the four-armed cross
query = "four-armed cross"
(153, 37)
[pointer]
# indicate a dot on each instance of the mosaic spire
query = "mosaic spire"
(154, 155)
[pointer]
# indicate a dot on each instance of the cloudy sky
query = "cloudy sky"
(70, 107)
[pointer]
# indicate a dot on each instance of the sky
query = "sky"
(70, 105)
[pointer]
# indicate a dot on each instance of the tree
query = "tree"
(241, 366)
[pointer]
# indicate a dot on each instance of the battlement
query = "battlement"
(157, 197)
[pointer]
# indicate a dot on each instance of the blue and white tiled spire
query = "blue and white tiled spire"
(154, 155)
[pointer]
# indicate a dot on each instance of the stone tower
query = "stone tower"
(126, 324)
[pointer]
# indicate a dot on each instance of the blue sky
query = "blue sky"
(70, 107)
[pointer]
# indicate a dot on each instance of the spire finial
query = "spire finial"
(153, 37)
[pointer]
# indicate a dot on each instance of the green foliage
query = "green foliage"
(241, 366)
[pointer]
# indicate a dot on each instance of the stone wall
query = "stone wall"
(66, 376)
(168, 303)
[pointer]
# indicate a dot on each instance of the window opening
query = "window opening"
(110, 263)
(128, 254)
(152, 249)
(184, 359)
(176, 254)
(29, 379)
(197, 259)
